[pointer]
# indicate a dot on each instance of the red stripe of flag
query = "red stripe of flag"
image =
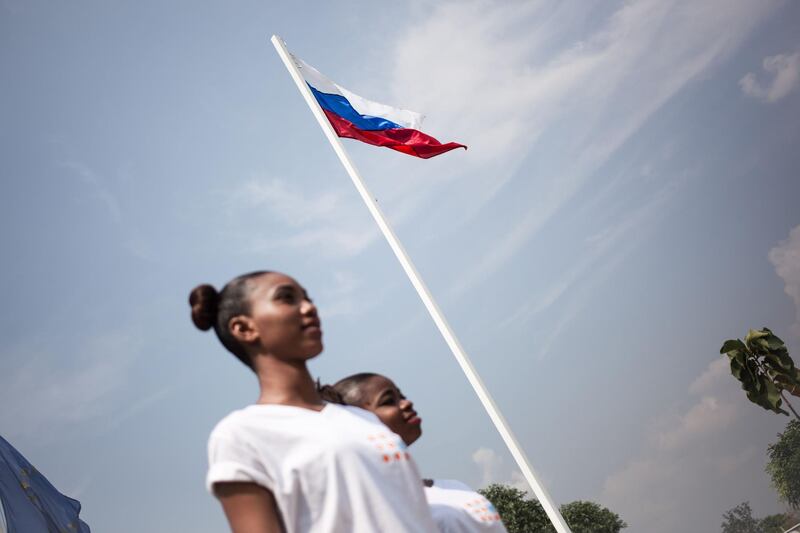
(406, 140)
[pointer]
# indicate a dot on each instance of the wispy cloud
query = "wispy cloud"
(325, 222)
(344, 297)
(601, 254)
(54, 389)
(97, 186)
(102, 191)
(539, 304)
(494, 470)
(783, 72)
(290, 206)
(690, 460)
(786, 259)
(144, 403)
(707, 416)
(502, 77)
(91, 473)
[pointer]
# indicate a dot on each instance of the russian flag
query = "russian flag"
(355, 117)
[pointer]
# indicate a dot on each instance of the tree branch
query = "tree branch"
(785, 399)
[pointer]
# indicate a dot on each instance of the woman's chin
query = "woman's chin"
(412, 435)
(313, 350)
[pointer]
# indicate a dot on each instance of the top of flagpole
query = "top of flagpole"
(355, 117)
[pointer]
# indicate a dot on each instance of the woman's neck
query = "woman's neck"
(287, 383)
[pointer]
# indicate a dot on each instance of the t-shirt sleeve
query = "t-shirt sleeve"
(231, 460)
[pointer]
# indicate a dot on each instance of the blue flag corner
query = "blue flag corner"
(29, 502)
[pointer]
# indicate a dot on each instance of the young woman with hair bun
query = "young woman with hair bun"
(456, 508)
(291, 461)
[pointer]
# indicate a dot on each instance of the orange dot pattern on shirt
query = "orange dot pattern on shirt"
(482, 510)
(389, 447)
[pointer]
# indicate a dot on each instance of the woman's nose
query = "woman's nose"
(308, 307)
(406, 404)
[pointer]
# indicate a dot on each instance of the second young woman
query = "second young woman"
(291, 462)
(456, 508)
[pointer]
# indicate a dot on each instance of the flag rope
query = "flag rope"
(430, 304)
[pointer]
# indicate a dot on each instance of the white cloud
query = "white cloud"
(331, 241)
(343, 297)
(709, 415)
(53, 390)
(706, 382)
(290, 206)
(502, 76)
(325, 222)
(488, 461)
(686, 473)
(493, 470)
(786, 259)
(784, 73)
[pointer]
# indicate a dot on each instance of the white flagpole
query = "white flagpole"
(466, 365)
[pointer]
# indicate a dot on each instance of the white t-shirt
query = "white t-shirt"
(336, 470)
(456, 508)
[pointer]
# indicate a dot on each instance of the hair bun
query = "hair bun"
(204, 300)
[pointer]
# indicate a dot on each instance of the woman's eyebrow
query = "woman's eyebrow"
(383, 393)
(285, 286)
(280, 291)
(301, 290)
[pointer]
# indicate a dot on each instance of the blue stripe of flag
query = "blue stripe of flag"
(336, 103)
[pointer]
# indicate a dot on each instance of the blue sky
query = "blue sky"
(627, 202)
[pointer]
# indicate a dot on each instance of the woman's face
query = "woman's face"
(381, 396)
(283, 320)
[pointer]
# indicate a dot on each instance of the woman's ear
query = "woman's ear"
(243, 329)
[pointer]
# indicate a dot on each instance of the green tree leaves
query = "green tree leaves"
(589, 517)
(519, 514)
(764, 368)
(740, 519)
(784, 464)
(523, 515)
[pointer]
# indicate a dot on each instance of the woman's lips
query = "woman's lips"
(313, 330)
(414, 420)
